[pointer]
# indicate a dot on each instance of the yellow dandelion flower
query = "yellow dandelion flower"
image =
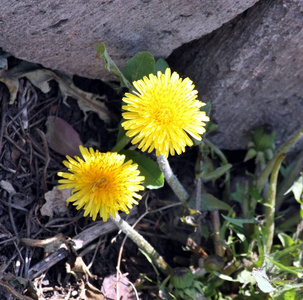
(101, 183)
(162, 113)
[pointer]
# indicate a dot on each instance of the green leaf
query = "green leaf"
(110, 66)
(154, 178)
(209, 202)
(297, 189)
(262, 281)
(285, 240)
(161, 65)
(142, 64)
(239, 222)
(225, 277)
(122, 139)
(241, 192)
(192, 293)
(286, 170)
(251, 153)
(254, 193)
(292, 270)
(217, 173)
(286, 295)
(245, 277)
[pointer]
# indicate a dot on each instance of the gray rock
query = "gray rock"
(63, 34)
(251, 69)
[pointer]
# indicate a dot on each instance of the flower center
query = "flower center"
(100, 183)
(163, 115)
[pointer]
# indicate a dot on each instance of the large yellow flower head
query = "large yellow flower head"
(101, 183)
(162, 113)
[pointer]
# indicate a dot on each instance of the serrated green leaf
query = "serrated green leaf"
(142, 64)
(110, 66)
(161, 65)
(239, 222)
(254, 193)
(241, 192)
(154, 178)
(209, 202)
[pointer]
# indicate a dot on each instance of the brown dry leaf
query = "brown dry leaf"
(6, 185)
(78, 269)
(92, 293)
(49, 245)
(62, 137)
(110, 284)
(40, 78)
(55, 202)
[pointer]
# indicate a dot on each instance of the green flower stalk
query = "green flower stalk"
(146, 247)
(283, 149)
(171, 179)
(271, 206)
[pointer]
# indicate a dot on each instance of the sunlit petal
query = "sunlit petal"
(163, 113)
(101, 183)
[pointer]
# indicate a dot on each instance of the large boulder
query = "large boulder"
(251, 70)
(63, 34)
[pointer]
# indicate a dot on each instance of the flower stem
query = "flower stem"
(141, 242)
(218, 243)
(284, 148)
(171, 179)
(271, 205)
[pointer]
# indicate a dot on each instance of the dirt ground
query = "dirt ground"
(36, 257)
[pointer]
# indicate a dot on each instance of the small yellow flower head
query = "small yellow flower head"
(163, 113)
(101, 183)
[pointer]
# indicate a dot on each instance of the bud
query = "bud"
(182, 278)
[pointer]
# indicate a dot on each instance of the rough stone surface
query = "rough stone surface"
(63, 34)
(251, 69)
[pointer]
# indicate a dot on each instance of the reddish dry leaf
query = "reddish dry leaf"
(62, 137)
(109, 288)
